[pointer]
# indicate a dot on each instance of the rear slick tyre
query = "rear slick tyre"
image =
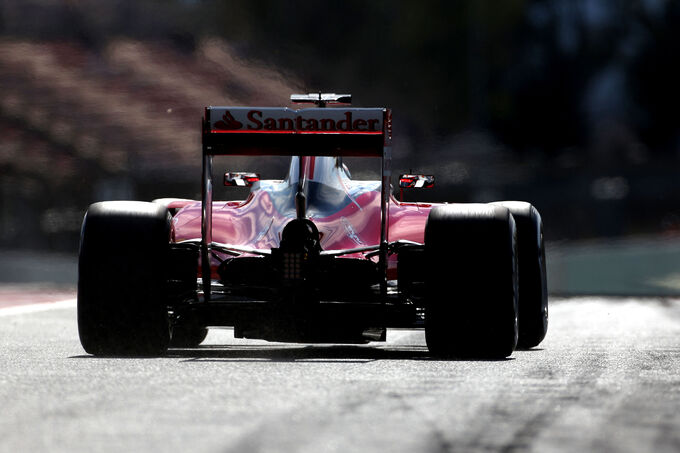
(533, 286)
(187, 336)
(471, 286)
(122, 285)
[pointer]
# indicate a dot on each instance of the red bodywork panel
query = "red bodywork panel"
(346, 212)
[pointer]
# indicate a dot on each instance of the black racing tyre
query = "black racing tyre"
(533, 286)
(187, 336)
(122, 285)
(471, 284)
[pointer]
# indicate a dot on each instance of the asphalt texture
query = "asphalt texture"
(606, 379)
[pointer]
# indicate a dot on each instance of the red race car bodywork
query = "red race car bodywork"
(346, 213)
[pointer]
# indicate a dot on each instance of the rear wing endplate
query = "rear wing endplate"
(271, 131)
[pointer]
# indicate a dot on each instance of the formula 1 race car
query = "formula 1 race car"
(314, 258)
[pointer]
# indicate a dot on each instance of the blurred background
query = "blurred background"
(569, 104)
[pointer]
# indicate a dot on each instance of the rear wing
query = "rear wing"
(267, 131)
(254, 131)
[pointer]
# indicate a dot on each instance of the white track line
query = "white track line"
(32, 308)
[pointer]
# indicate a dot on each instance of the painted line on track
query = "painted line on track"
(23, 309)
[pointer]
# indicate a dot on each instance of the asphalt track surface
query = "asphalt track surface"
(607, 378)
